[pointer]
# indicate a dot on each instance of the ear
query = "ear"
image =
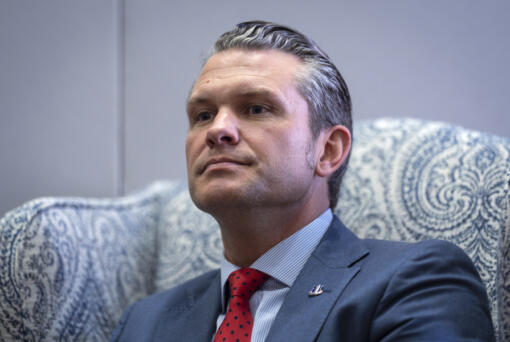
(336, 144)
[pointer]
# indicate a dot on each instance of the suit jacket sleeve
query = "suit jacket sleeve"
(434, 295)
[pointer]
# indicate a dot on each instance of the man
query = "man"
(268, 142)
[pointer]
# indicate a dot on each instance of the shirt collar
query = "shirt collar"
(284, 261)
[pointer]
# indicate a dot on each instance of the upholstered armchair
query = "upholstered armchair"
(70, 266)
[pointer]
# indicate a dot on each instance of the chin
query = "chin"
(220, 195)
(216, 202)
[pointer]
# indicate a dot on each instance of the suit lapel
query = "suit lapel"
(333, 265)
(196, 319)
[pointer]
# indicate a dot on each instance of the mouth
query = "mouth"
(221, 162)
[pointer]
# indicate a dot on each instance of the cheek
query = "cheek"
(288, 151)
(301, 151)
(296, 142)
(192, 149)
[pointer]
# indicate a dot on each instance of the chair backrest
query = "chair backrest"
(69, 267)
(412, 180)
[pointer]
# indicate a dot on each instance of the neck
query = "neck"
(250, 232)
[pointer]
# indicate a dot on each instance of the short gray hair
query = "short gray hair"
(321, 84)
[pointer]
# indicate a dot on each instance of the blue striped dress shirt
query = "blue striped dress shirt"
(282, 263)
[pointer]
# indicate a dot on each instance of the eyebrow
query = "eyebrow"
(242, 93)
(256, 93)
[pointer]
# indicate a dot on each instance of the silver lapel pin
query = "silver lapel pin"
(316, 291)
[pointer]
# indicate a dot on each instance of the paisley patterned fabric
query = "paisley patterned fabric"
(70, 266)
(412, 180)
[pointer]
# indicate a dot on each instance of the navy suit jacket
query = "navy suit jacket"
(374, 291)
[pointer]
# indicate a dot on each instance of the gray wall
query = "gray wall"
(92, 92)
(58, 99)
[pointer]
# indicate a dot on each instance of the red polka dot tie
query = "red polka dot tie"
(238, 322)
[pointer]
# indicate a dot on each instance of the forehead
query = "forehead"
(272, 69)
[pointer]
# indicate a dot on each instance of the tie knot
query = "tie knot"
(245, 281)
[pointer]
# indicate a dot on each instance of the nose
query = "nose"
(223, 130)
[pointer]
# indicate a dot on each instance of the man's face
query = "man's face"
(249, 142)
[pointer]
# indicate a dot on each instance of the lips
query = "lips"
(219, 160)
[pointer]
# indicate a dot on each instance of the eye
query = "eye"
(203, 116)
(257, 109)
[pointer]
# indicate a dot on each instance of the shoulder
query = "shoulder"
(141, 318)
(425, 248)
(436, 251)
(416, 260)
(180, 295)
(387, 256)
(432, 281)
